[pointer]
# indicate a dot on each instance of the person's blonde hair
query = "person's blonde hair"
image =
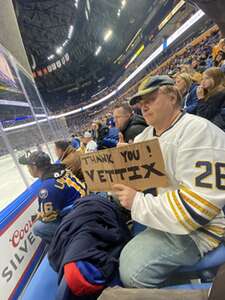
(187, 78)
(195, 76)
(219, 80)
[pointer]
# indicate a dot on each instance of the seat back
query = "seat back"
(211, 260)
(44, 283)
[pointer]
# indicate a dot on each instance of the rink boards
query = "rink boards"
(20, 249)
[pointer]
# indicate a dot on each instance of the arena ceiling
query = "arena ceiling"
(47, 34)
(215, 10)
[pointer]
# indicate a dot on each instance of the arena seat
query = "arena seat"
(212, 260)
(44, 283)
(203, 269)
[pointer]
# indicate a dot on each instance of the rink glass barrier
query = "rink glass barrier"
(25, 125)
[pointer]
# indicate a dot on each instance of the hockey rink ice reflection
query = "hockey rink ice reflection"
(11, 184)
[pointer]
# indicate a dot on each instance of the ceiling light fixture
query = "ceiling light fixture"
(124, 2)
(108, 35)
(98, 50)
(86, 14)
(50, 57)
(65, 43)
(59, 50)
(88, 5)
(70, 31)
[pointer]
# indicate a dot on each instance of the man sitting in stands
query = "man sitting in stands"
(89, 143)
(129, 124)
(70, 157)
(59, 189)
(186, 219)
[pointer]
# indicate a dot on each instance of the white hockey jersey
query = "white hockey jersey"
(194, 154)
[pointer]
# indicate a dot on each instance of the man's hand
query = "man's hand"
(200, 93)
(121, 141)
(121, 145)
(125, 195)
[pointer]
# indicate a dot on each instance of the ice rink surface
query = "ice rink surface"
(11, 183)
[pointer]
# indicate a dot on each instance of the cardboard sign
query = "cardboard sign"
(139, 166)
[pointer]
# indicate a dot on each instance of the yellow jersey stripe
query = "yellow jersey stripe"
(198, 207)
(175, 213)
(72, 183)
(201, 200)
(215, 229)
(186, 218)
(214, 242)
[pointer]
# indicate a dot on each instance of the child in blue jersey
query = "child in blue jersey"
(59, 189)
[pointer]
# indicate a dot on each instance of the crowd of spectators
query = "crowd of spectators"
(189, 62)
(187, 67)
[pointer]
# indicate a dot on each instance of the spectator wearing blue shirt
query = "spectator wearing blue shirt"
(188, 90)
(105, 137)
(59, 189)
(75, 142)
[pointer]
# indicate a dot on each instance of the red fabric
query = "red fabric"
(77, 283)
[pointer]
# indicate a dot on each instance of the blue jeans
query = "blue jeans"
(148, 260)
(45, 230)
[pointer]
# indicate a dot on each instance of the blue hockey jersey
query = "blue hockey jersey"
(58, 190)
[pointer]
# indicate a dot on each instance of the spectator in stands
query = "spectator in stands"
(129, 124)
(195, 76)
(219, 59)
(89, 143)
(70, 157)
(75, 142)
(59, 188)
(94, 129)
(110, 121)
(195, 64)
(211, 95)
(188, 91)
(219, 47)
(105, 137)
(181, 217)
(136, 109)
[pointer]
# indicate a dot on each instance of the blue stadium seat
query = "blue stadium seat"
(212, 260)
(44, 283)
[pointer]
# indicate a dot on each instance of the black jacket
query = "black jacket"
(134, 127)
(213, 109)
(93, 231)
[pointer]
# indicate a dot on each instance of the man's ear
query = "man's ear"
(173, 98)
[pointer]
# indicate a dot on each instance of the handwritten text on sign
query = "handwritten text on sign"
(139, 166)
